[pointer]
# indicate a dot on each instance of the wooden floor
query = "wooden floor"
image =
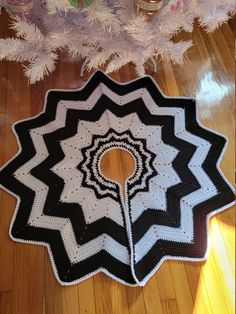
(27, 283)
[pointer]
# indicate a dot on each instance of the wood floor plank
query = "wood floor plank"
(86, 297)
(5, 201)
(18, 108)
(136, 300)
(218, 40)
(214, 287)
(182, 289)
(102, 292)
(202, 44)
(15, 110)
(164, 282)
(64, 75)
(151, 297)
(202, 303)
(119, 298)
(70, 300)
(172, 86)
(229, 36)
(170, 306)
(20, 289)
(36, 280)
(6, 302)
(53, 291)
(228, 234)
(221, 257)
(7, 205)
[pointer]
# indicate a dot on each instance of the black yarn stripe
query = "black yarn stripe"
(144, 171)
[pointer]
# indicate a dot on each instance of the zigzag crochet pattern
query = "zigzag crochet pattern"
(66, 203)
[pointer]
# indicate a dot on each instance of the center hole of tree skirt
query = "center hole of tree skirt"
(117, 165)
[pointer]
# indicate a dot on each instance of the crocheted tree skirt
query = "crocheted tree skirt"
(66, 203)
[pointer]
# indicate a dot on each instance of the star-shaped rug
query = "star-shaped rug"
(65, 202)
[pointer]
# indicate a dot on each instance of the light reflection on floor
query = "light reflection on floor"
(217, 274)
(211, 92)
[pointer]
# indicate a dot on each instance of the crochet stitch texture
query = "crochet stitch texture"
(66, 203)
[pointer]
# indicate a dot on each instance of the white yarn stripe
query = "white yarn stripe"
(74, 192)
(102, 242)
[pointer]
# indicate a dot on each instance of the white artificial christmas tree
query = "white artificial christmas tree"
(106, 33)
